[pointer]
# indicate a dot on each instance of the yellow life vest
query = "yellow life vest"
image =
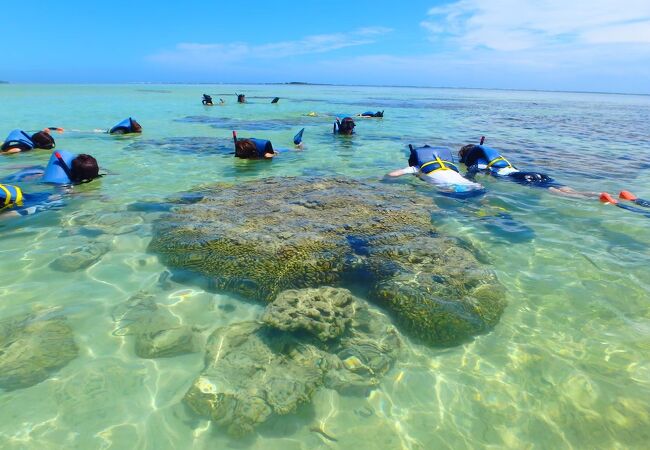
(10, 196)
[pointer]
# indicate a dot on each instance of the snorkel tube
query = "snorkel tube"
(64, 166)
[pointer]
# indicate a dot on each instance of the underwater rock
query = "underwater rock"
(263, 237)
(32, 348)
(80, 257)
(253, 370)
(166, 342)
(324, 312)
(158, 334)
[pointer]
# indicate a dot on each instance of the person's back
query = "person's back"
(17, 141)
(127, 126)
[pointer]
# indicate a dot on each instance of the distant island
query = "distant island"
(4, 82)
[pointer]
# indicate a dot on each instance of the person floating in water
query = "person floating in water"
(127, 126)
(369, 114)
(483, 159)
(241, 98)
(435, 165)
(344, 127)
(20, 141)
(14, 202)
(63, 168)
(207, 100)
(252, 148)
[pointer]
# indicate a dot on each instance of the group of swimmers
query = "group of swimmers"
(436, 165)
(433, 164)
(63, 169)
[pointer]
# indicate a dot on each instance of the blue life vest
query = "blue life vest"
(10, 196)
(263, 146)
(480, 154)
(429, 159)
(54, 172)
(18, 138)
(124, 127)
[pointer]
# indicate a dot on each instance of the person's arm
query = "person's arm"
(12, 150)
(567, 191)
(400, 172)
(269, 155)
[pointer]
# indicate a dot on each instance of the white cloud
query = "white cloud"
(511, 25)
(197, 55)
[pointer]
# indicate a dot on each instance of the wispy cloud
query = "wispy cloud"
(512, 25)
(196, 54)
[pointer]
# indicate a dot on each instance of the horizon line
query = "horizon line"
(301, 83)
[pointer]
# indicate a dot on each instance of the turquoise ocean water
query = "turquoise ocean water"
(567, 366)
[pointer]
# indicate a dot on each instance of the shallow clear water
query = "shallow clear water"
(566, 367)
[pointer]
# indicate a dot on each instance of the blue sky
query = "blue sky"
(584, 45)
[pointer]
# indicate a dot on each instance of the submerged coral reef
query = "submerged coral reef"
(33, 347)
(256, 370)
(263, 237)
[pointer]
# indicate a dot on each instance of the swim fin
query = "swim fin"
(627, 195)
(606, 198)
(297, 139)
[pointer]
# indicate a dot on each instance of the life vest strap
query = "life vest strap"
(500, 158)
(8, 200)
(442, 165)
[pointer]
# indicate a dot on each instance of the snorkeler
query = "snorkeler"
(207, 100)
(241, 98)
(127, 126)
(14, 202)
(435, 165)
(63, 168)
(483, 159)
(252, 148)
(20, 141)
(345, 126)
(370, 114)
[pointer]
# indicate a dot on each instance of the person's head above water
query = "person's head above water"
(43, 139)
(345, 126)
(84, 168)
(66, 168)
(207, 100)
(19, 141)
(253, 148)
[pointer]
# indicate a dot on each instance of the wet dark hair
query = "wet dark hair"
(464, 153)
(135, 126)
(241, 98)
(346, 126)
(245, 148)
(84, 168)
(43, 140)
